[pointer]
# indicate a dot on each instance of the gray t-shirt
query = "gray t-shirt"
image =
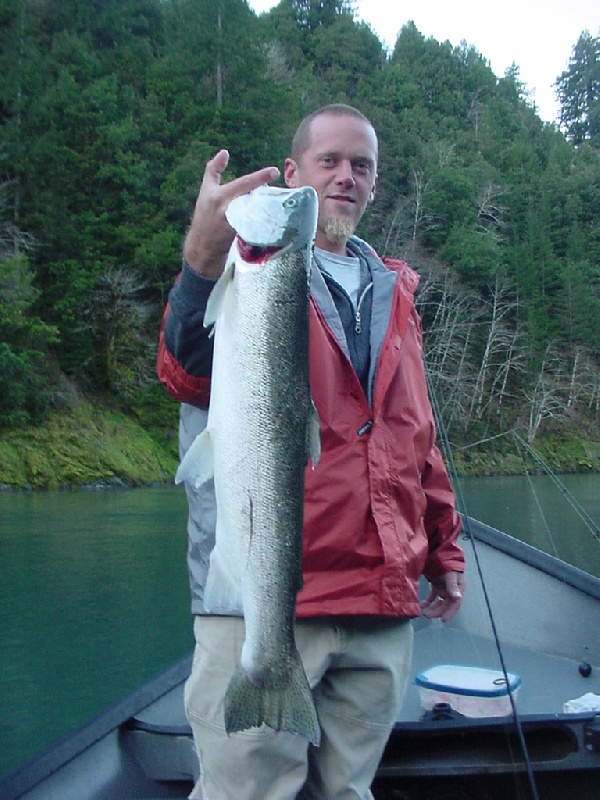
(345, 271)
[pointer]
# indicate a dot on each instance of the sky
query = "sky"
(536, 35)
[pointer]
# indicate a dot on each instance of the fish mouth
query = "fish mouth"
(256, 253)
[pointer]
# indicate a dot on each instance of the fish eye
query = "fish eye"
(291, 202)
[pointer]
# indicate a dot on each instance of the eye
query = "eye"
(362, 166)
(291, 202)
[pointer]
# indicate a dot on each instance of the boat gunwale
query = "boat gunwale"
(57, 755)
(532, 556)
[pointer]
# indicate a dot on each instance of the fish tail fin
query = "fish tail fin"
(283, 708)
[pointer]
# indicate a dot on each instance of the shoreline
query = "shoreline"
(117, 484)
(97, 447)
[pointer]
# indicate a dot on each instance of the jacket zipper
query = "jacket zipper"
(357, 315)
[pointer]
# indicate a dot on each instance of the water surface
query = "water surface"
(94, 600)
(94, 597)
(538, 512)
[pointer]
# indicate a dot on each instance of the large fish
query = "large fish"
(262, 428)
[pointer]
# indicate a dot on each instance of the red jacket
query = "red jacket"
(379, 508)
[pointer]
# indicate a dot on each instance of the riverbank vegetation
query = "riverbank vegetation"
(108, 112)
(93, 445)
(89, 444)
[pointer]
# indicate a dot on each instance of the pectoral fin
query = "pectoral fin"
(213, 307)
(197, 465)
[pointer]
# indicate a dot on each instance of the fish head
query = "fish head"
(274, 219)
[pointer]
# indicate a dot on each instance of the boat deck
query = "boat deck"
(424, 749)
(547, 681)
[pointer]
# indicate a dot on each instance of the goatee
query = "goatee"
(338, 230)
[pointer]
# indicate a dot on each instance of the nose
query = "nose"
(345, 174)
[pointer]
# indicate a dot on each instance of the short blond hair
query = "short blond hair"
(301, 140)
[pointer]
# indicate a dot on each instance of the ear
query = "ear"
(373, 189)
(290, 173)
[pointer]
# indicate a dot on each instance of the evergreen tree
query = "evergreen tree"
(578, 90)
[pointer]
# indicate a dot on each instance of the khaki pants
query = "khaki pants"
(358, 669)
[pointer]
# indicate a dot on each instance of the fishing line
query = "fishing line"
(593, 528)
(535, 497)
(482, 441)
(462, 506)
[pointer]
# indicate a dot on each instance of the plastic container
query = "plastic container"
(471, 691)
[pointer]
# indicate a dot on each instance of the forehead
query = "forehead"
(343, 134)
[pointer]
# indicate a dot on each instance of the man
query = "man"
(378, 510)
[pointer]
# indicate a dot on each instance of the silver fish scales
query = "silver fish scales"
(262, 428)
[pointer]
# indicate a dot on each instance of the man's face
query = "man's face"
(340, 164)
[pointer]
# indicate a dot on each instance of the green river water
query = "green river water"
(94, 597)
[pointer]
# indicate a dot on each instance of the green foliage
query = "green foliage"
(24, 369)
(24, 396)
(115, 318)
(82, 445)
(17, 297)
(476, 258)
(581, 302)
(578, 88)
(109, 112)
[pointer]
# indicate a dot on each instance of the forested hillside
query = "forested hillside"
(109, 110)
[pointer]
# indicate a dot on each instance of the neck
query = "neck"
(337, 248)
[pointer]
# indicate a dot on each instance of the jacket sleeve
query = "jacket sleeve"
(185, 347)
(442, 522)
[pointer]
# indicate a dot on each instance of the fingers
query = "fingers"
(247, 183)
(445, 597)
(242, 185)
(438, 607)
(210, 236)
(216, 166)
(455, 585)
(433, 606)
(449, 607)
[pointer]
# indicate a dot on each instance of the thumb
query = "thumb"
(452, 586)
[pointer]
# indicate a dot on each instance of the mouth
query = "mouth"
(342, 198)
(254, 253)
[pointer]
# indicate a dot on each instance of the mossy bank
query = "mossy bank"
(93, 443)
(564, 450)
(88, 444)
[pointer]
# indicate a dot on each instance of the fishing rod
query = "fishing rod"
(445, 442)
